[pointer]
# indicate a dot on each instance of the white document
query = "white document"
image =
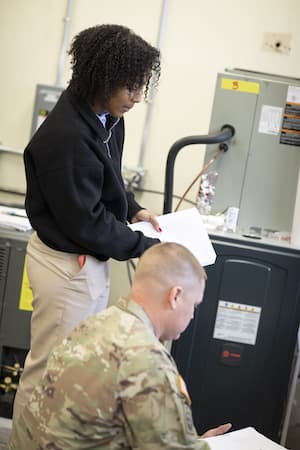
(183, 227)
(14, 218)
(270, 119)
(245, 439)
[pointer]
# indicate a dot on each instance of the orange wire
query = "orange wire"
(217, 154)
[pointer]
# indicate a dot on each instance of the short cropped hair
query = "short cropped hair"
(169, 263)
(105, 58)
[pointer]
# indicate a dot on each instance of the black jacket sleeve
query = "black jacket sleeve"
(133, 206)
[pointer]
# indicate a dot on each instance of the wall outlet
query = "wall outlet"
(277, 42)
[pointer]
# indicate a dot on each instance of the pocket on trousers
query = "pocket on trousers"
(98, 279)
(93, 277)
(74, 268)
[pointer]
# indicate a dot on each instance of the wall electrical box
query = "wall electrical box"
(45, 99)
(259, 172)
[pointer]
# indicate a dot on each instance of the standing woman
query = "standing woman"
(76, 200)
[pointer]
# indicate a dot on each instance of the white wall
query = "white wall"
(201, 38)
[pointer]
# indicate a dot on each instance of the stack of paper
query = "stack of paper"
(14, 218)
(183, 227)
(245, 439)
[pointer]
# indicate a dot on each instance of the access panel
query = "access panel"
(236, 355)
(259, 172)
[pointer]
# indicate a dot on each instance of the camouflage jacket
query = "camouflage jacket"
(110, 385)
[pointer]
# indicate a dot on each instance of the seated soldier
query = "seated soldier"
(112, 384)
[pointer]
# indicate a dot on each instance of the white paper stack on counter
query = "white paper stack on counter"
(183, 227)
(14, 218)
(244, 439)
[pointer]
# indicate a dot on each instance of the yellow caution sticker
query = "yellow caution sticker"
(239, 85)
(183, 389)
(26, 293)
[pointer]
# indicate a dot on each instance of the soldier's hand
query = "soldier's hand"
(221, 429)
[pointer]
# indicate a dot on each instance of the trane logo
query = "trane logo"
(227, 354)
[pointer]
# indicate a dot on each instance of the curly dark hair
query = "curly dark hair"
(105, 58)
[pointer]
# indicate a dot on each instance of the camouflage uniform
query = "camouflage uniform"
(110, 385)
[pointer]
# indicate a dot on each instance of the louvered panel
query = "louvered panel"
(4, 257)
(4, 252)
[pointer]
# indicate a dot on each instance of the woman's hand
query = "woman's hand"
(147, 216)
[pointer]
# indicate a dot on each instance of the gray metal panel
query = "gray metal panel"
(237, 109)
(257, 174)
(269, 191)
(45, 99)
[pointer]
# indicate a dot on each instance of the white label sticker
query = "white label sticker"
(270, 119)
(237, 322)
(293, 94)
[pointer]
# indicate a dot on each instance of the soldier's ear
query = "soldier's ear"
(173, 296)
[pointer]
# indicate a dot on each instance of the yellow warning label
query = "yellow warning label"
(26, 293)
(240, 85)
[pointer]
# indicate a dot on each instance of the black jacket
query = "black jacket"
(76, 200)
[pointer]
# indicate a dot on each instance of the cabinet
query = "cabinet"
(237, 365)
(14, 322)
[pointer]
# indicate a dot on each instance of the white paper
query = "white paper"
(183, 227)
(237, 322)
(14, 218)
(270, 119)
(293, 94)
(245, 439)
(18, 212)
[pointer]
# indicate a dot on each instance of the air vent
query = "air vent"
(4, 252)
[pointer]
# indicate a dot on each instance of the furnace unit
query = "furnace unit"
(237, 354)
(259, 172)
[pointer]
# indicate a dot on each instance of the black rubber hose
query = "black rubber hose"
(227, 132)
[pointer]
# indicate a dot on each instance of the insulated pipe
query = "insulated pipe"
(63, 50)
(227, 132)
(152, 92)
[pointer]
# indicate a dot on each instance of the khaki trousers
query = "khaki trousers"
(63, 295)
